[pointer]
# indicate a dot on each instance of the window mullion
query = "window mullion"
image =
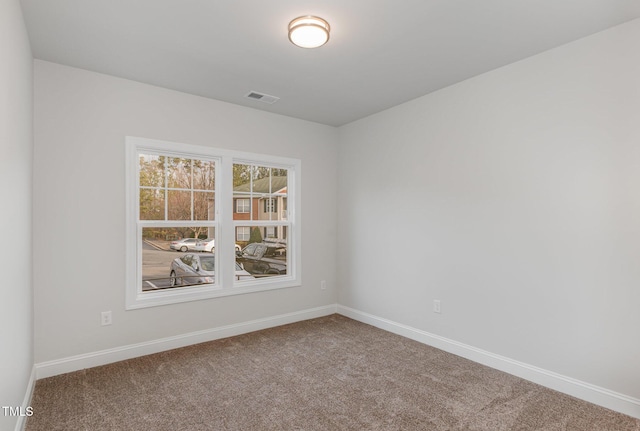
(226, 233)
(268, 200)
(191, 183)
(166, 188)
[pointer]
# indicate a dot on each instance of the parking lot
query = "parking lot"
(156, 265)
(267, 261)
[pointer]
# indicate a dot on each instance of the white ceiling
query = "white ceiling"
(381, 52)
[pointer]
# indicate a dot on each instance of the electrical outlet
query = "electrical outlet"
(323, 285)
(106, 318)
(436, 306)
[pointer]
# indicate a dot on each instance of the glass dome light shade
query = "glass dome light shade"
(309, 31)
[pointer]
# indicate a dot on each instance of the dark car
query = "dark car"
(263, 258)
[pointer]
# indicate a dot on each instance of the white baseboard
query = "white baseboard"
(585, 391)
(103, 357)
(26, 402)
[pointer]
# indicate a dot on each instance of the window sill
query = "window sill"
(198, 293)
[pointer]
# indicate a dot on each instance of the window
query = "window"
(265, 254)
(242, 234)
(176, 196)
(270, 205)
(270, 232)
(243, 205)
(181, 198)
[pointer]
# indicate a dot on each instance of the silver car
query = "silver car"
(187, 244)
(193, 269)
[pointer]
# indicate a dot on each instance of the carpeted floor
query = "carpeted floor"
(331, 373)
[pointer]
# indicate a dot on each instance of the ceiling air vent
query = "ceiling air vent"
(262, 97)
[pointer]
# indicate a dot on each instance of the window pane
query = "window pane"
(203, 206)
(151, 170)
(178, 173)
(177, 257)
(277, 201)
(179, 207)
(264, 254)
(241, 175)
(151, 204)
(203, 175)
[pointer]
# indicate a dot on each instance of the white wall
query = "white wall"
(514, 198)
(16, 151)
(81, 120)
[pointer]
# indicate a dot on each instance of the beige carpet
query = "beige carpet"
(330, 373)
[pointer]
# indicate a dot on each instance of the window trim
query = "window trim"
(224, 225)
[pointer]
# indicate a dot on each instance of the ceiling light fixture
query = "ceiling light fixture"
(309, 31)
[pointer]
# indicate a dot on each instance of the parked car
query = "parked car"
(210, 245)
(198, 269)
(187, 244)
(263, 258)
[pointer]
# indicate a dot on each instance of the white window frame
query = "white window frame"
(224, 224)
